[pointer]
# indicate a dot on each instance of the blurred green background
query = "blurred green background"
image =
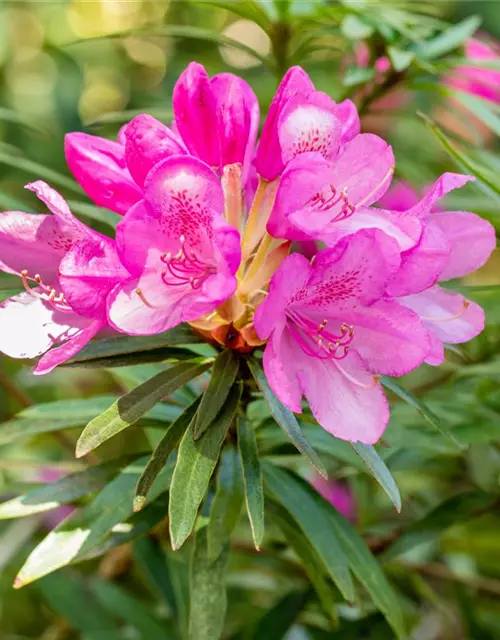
(92, 65)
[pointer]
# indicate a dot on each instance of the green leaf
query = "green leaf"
(459, 508)
(424, 411)
(224, 374)
(127, 345)
(450, 39)
(355, 27)
(208, 591)
(129, 609)
(354, 76)
(133, 405)
(92, 212)
(277, 621)
(162, 453)
(226, 506)
(87, 528)
(285, 418)
(400, 58)
(252, 479)
(196, 460)
(244, 8)
(152, 560)
(65, 593)
(40, 171)
(65, 490)
(310, 560)
(286, 490)
(379, 471)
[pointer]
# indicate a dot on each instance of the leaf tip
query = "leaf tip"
(18, 582)
(139, 502)
(81, 450)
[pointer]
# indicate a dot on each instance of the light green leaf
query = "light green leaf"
(85, 529)
(133, 405)
(196, 460)
(285, 418)
(224, 374)
(450, 39)
(252, 479)
(67, 489)
(379, 471)
(227, 503)
(244, 8)
(208, 591)
(400, 58)
(286, 490)
(354, 76)
(40, 171)
(355, 27)
(424, 411)
(162, 453)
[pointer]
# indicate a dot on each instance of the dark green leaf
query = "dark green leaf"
(208, 591)
(152, 561)
(196, 460)
(226, 506)
(285, 418)
(312, 520)
(162, 453)
(277, 621)
(55, 494)
(132, 406)
(415, 402)
(79, 534)
(252, 479)
(224, 374)
(379, 471)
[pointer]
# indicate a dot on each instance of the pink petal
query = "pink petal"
(88, 272)
(307, 123)
(148, 141)
(238, 118)
(70, 348)
(421, 266)
(28, 326)
(195, 114)
(400, 197)
(347, 113)
(268, 162)
(443, 185)
(99, 166)
(471, 239)
(280, 376)
(390, 338)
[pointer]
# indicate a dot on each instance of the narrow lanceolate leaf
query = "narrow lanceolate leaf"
(130, 407)
(415, 402)
(196, 460)
(88, 528)
(55, 494)
(285, 418)
(224, 374)
(127, 345)
(276, 622)
(313, 521)
(379, 471)
(449, 39)
(310, 560)
(226, 506)
(208, 591)
(162, 453)
(252, 479)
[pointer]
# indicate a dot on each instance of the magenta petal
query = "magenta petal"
(185, 189)
(471, 240)
(307, 123)
(99, 166)
(443, 185)
(148, 141)
(400, 197)
(421, 266)
(238, 117)
(70, 348)
(268, 162)
(67, 222)
(88, 272)
(28, 326)
(302, 179)
(347, 113)
(195, 114)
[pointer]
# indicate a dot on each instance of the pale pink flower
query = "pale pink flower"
(338, 494)
(481, 82)
(73, 268)
(331, 331)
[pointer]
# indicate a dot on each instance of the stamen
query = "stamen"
(466, 305)
(49, 294)
(185, 268)
(143, 299)
(355, 381)
(311, 336)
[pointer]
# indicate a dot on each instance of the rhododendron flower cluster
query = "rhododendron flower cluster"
(209, 218)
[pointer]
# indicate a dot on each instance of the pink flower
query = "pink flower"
(331, 330)
(181, 253)
(338, 494)
(481, 82)
(216, 120)
(453, 244)
(73, 268)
